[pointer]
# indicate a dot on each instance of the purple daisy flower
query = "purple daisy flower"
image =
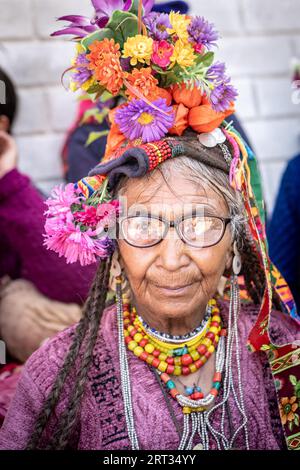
(222, 95)
(137, 119)
(157, 24)
(223, 92)
(82, 73)
(202, 32)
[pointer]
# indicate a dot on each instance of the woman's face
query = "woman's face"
(172, 279)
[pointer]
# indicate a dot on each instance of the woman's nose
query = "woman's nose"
(173, 253)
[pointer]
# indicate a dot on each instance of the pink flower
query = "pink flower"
(162, 52)
(87, 217)
(68, 240)
(103, 214)
(199, 48)
(61, 199)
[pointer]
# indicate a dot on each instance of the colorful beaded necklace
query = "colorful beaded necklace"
(179, 359)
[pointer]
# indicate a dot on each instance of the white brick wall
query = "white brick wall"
(259, 38)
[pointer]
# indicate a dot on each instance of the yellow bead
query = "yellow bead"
(193, 368)
(149, 348)
(216, 318)
(149, 359)
(211, 349)
(206, 342)
(214, 330)
(212, 302)
(195, 355)
(130, 328)
(177, 361)
(217, 339)
(162, 366)
(162, 356)
(177, 370)
(138, 351)
(126, 333)
(137, 337)
(132, 345)
(186, 410)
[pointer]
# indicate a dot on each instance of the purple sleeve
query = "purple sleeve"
(22, 414)
(22, 223)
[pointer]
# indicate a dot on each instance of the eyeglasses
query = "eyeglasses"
(143, 231)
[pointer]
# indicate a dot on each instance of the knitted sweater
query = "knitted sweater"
(101, 423)
(22, 254)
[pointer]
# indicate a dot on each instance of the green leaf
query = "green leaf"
(206, 60)
(123, 25)
(293, 380)
(93, 136)
(297, 420)
(291, 425)
(95, 89)
(134, 9)
(97, 36)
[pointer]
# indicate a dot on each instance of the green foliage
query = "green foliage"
(93, 136)
(97, 36)
(122, 24)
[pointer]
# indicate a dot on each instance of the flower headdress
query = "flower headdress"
(162, 67)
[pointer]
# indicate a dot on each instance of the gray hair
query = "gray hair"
(199, 173)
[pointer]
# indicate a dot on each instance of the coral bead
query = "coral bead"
(156, 362)
(144, 356)
(186, 360)
(143, 342)
(170, 369)
(202, 349)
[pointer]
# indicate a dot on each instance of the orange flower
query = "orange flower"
(110, 75)
(181, 119)
(163, 93)
(189, 97)
(104, 60)
(99, 49)
(115, 137)
(204, 119)
(287, 408)
(143, 81)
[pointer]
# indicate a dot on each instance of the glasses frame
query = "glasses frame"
(173, 224)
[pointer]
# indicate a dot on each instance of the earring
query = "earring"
(237, 260)
(117, 275)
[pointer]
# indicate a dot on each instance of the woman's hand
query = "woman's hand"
(8, 153)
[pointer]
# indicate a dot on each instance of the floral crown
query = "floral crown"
(162, 67)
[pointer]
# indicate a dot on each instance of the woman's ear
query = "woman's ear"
(228, 262)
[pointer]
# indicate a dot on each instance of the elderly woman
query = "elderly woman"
(172, 219)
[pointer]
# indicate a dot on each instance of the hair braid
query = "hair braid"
(69, 417)
(80, 333)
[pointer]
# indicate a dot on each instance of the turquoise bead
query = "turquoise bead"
(189, 390)
(217, 385)
(170, 384)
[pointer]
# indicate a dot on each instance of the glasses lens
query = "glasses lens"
(202, 231)
(142, 230)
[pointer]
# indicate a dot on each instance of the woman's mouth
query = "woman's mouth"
(173, 290)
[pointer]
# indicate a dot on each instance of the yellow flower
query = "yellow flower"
(139, 48)
(183, 54)
(179, 25)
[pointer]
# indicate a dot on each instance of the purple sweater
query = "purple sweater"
(101, 422)
(22, 254)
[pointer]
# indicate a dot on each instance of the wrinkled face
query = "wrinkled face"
(172, 279)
